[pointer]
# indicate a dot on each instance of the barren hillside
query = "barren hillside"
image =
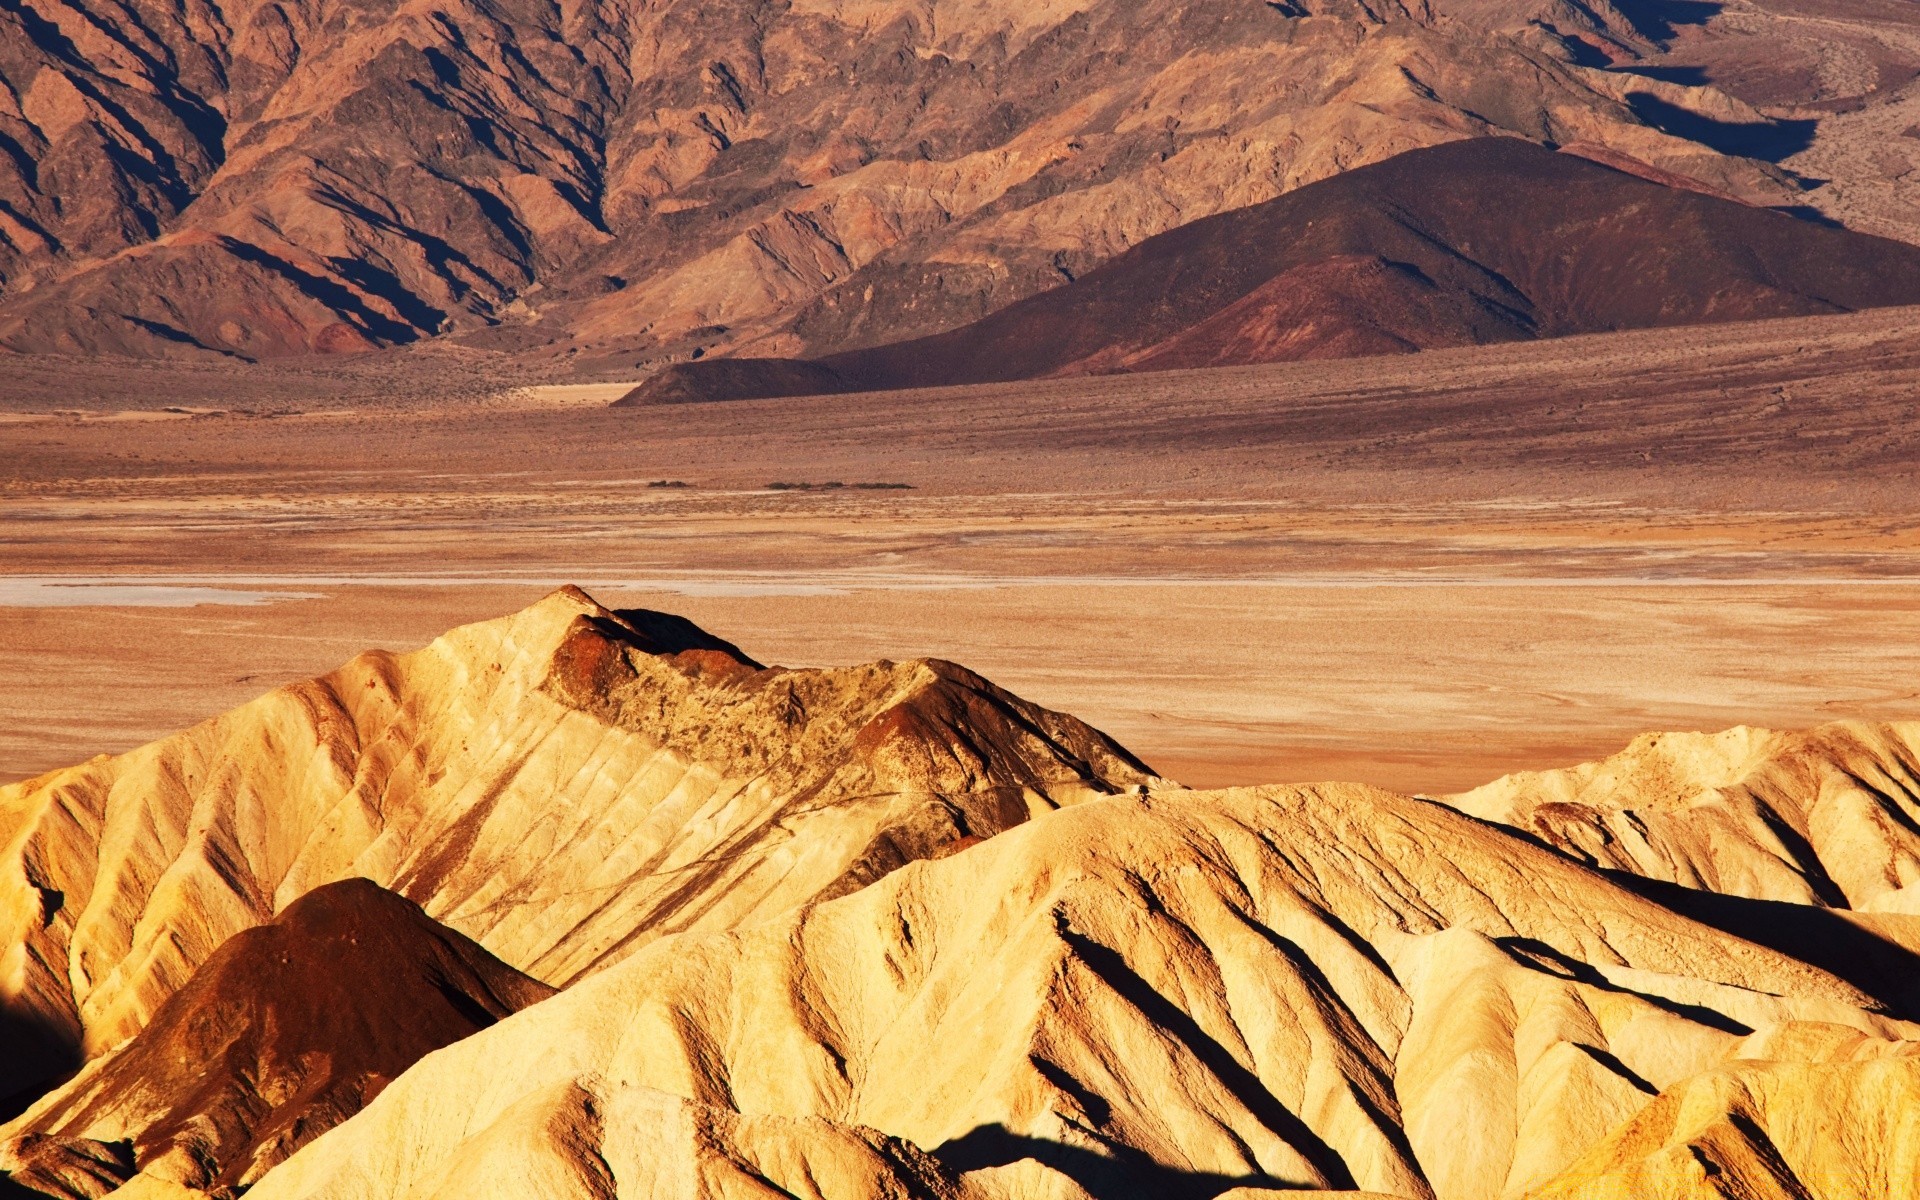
(287, 1030)
(562, 786)
(641, 181)
(1419, 252)
(890, 932)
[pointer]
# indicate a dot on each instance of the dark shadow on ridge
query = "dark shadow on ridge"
(1584, 53)
(1684, 76)
(40, 1056)
(1245, 1086)
(668, 633)
(1819, 937)
(1127, 1175)
(1661, 20)
(1769, 141)
(1586, 973)
(1807, 212)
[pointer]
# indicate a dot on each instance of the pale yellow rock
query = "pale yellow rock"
(595, 1138)
(1827, 816)
(1764, 1131)
(543, 783)
(1321, 988)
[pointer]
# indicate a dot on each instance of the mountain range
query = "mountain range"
(624, 185)
(1422, 251)
(888, 931)
(586, 902)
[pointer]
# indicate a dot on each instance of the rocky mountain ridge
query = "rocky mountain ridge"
(560, 786)
(890, 932)
(1275, 989)
(640, 182)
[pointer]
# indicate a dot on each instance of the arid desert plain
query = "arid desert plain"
(1420, 573)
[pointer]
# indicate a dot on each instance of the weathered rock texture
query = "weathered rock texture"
(794, 176)
(1829, 816)
(888, 932)
(1321, 988)
(1418, 252)
(287, 1030)
(562, 786)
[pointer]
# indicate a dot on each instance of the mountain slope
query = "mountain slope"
(287, 1030)
(644, 179)
(1486, 240)
(889, 932)
(1829, 816)
(1277, 988)
(1765, 1131)
(561, 785)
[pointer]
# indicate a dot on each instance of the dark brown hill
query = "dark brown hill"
(1486, 240)
(287, 1030)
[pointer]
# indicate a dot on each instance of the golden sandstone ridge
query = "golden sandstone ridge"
(1830, 816)
(561, 785)
(888, 931)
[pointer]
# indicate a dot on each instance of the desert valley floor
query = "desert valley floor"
(1415, 572)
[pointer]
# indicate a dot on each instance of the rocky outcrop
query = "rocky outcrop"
(562, 786)
(1827, 816)
(287, 1030)
(1772, 1130)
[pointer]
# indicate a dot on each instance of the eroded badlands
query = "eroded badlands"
(891, 931)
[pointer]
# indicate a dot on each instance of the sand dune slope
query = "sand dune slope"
(1175, 995)
(1827, 816)
(560, 785)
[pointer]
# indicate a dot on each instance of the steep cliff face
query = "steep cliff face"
(562, 785)
(322, 175)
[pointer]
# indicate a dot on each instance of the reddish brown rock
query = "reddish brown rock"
(287, 1030)
(640, 181)
(1488, 240)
